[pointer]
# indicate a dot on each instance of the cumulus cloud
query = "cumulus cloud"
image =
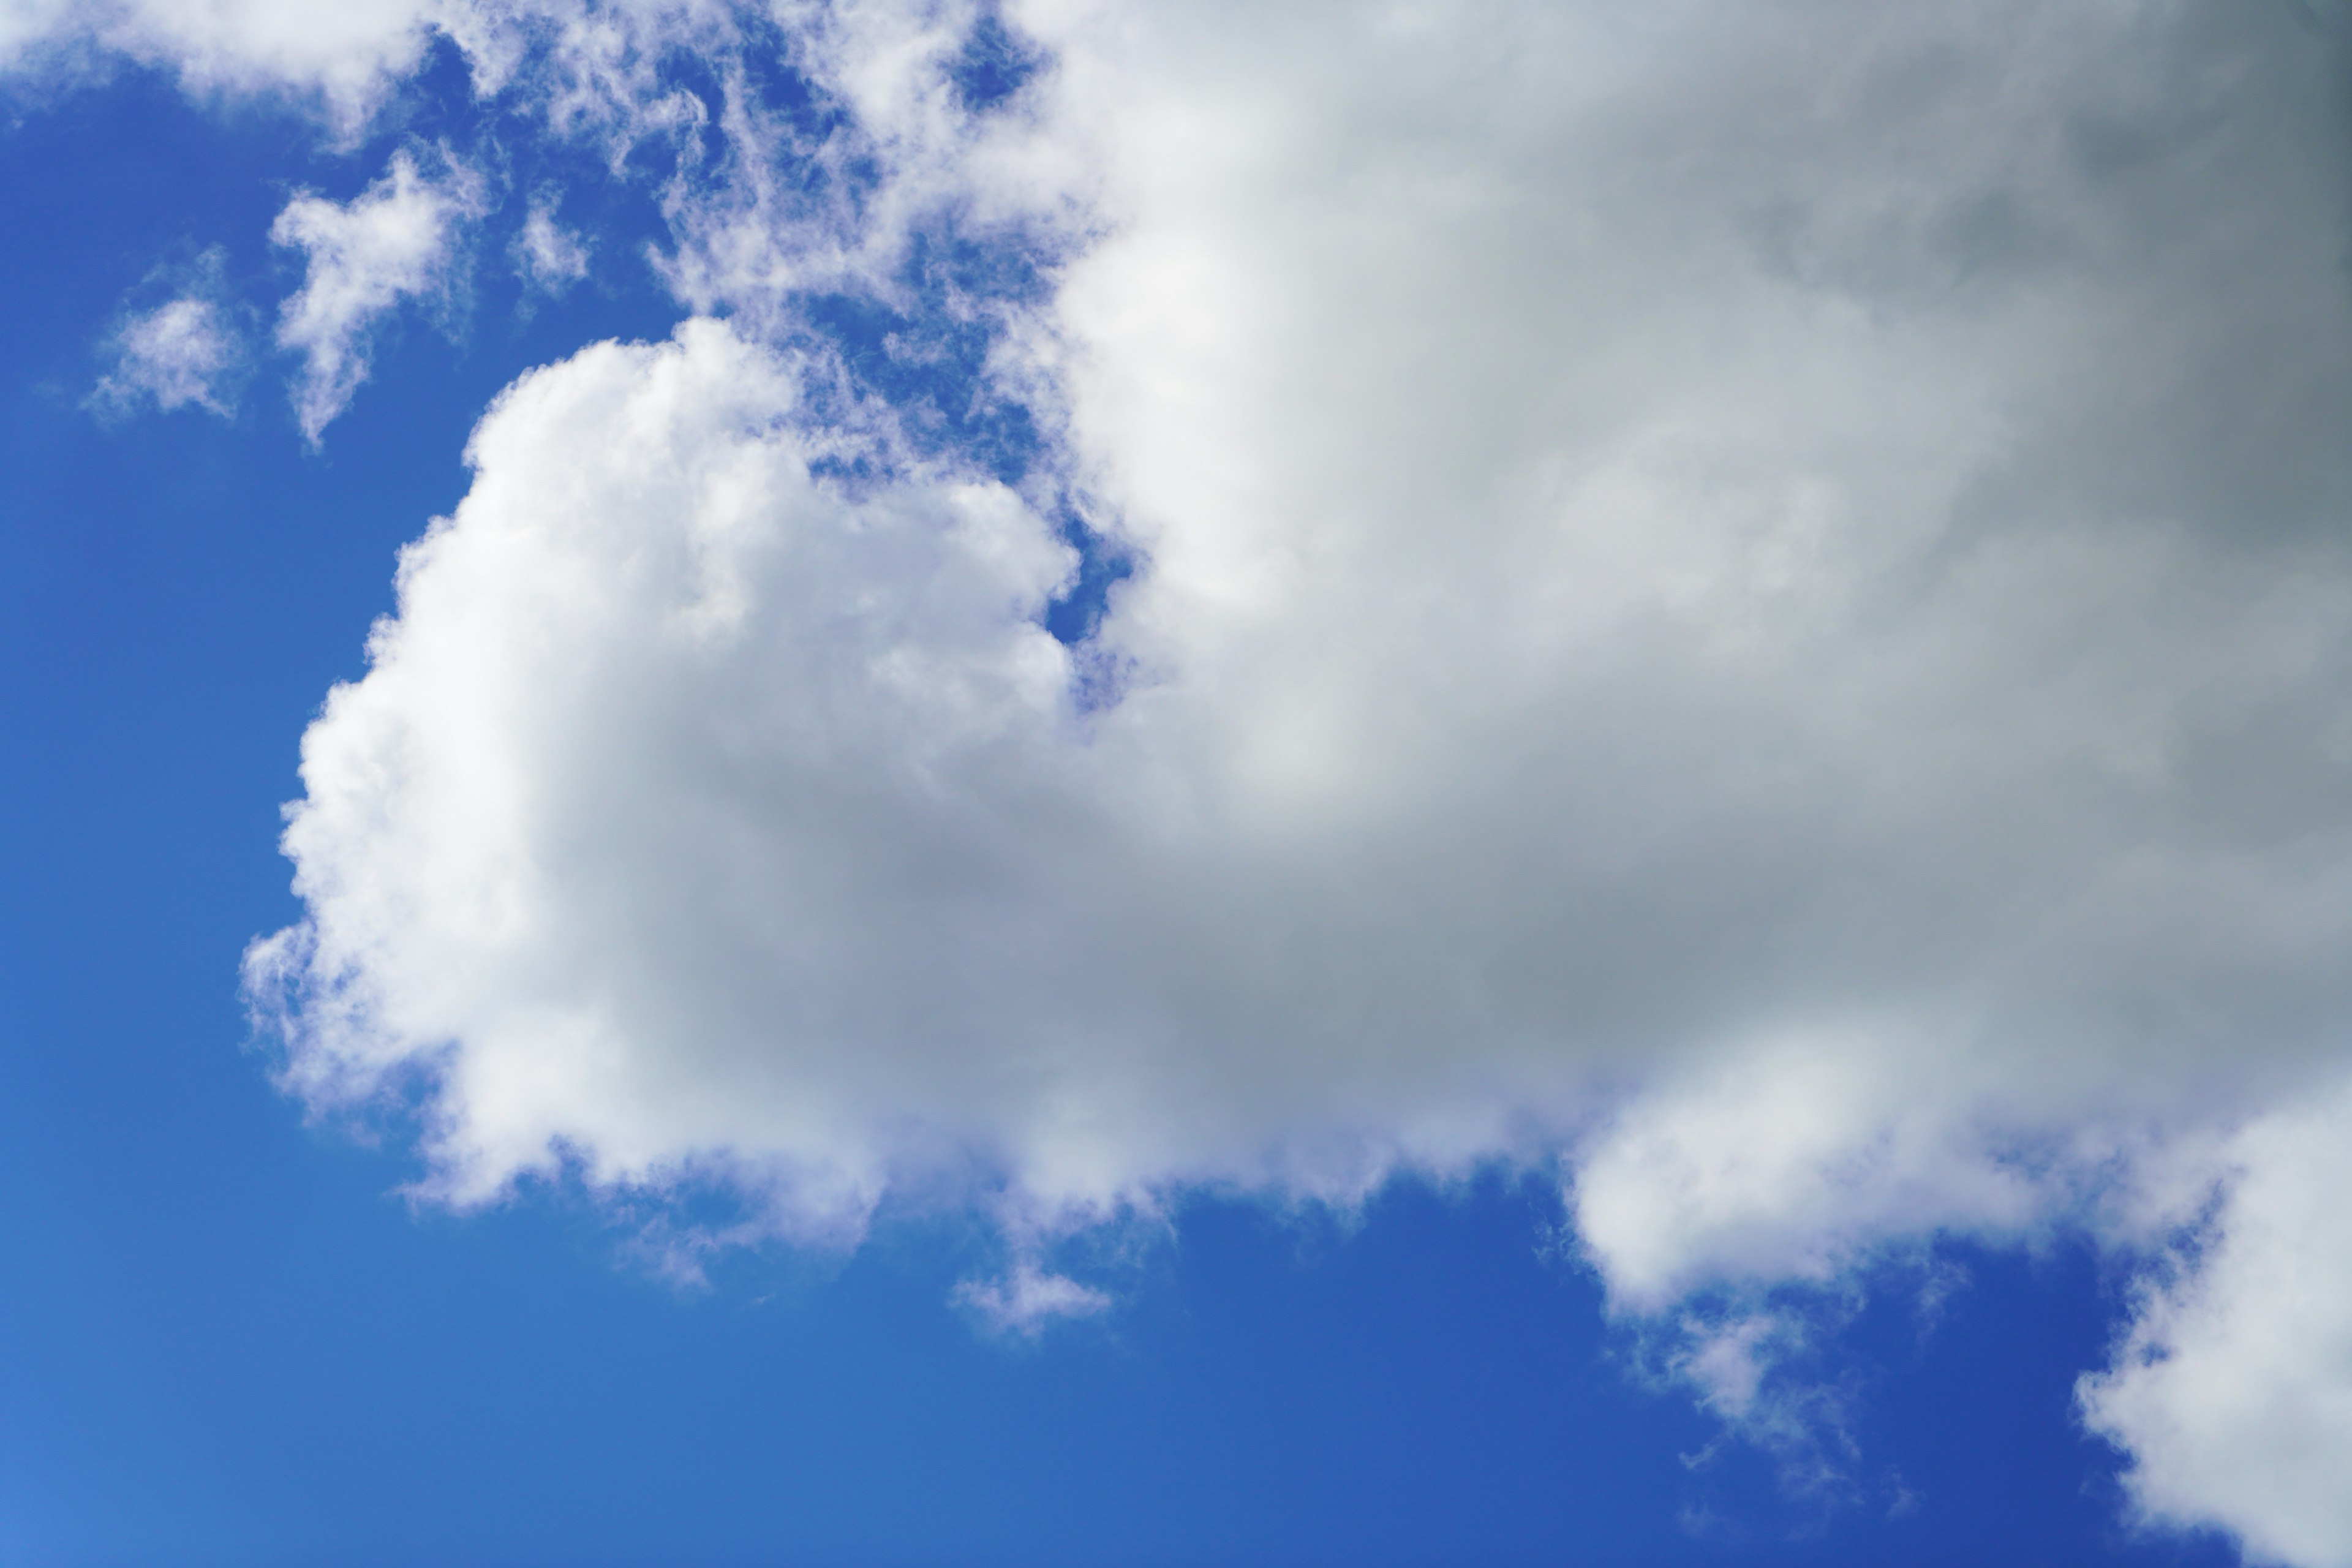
(2229, 1392)
(892, 633)
(1751, 601)
(185, 351)
(394, 241)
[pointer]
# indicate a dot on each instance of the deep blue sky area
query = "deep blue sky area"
(224, 1339)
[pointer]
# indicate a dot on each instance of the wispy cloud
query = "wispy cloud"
(394, 241)
(184, 352)
(1027, 1300)
(548, 255)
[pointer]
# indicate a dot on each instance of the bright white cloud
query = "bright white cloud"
(1751, 599)
(394, 241)
(1791, 1165)
(2234, 1393)
(186, 352)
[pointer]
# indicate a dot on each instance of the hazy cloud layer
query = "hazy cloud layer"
(1753, 600)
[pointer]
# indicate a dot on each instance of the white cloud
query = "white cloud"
(345, 57)
(24, 25)
(2232, 1393)
(548, 255)
(394, 241)
(1751, 599)
(1755, 1370)
(1025, 1302)
(185, 351)
(891, 635)
(1793, 1163)
(1728, 1363)
(908, 157)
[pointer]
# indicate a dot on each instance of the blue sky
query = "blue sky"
(1489, 784)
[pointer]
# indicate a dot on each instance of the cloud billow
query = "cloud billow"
(1751, 603)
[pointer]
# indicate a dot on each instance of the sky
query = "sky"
(859, 781)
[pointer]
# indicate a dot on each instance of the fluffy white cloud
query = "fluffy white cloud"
(185, 352)
(502, 788)
(394, 241)
(2234, 1393)
(1751, 599)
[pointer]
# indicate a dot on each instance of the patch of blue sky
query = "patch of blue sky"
(995, 63)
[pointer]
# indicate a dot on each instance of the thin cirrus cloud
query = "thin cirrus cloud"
(1747, 603)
